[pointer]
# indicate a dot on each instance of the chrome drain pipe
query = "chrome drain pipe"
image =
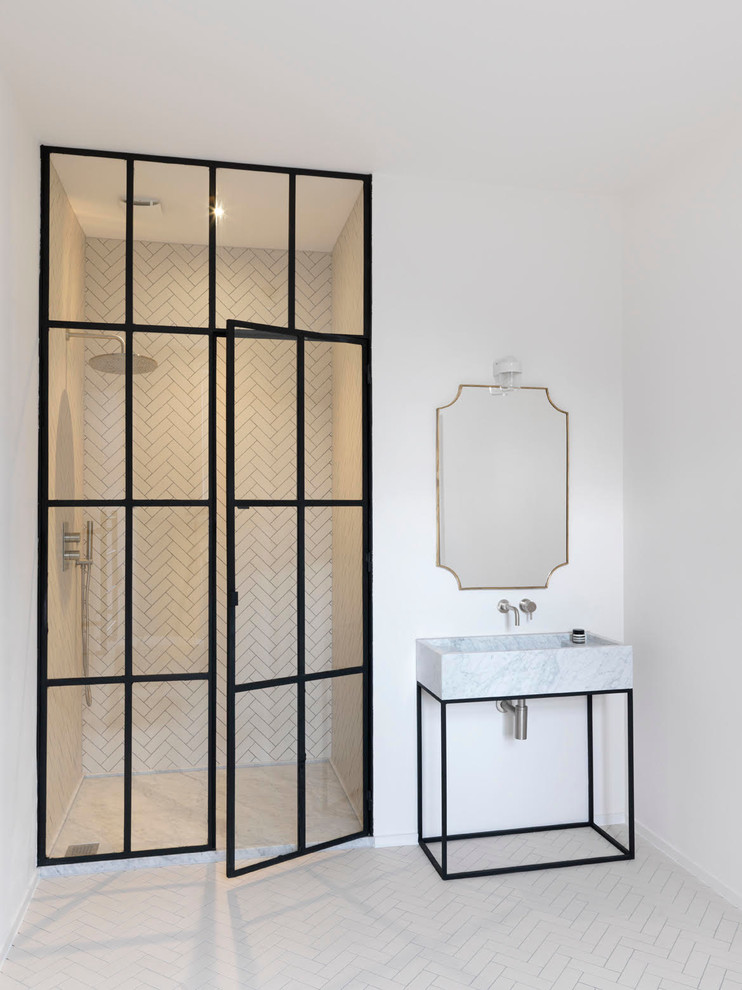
(520, 710)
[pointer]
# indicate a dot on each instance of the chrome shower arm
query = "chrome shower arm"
(98, 336)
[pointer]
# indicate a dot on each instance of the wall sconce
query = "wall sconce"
(508, 373)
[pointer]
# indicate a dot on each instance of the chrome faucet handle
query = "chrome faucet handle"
(527, 607)
(504, 606)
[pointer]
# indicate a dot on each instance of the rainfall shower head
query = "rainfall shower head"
(115, 364)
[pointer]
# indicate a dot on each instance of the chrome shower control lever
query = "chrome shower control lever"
(504, 606)
(527, 607)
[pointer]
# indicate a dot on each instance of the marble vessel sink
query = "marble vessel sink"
(521, 665)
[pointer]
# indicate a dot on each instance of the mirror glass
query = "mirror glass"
(502, 487)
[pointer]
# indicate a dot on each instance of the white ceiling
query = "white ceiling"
(576, 94)
(255, 204)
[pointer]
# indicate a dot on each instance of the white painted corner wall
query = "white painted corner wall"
(465, 273)
(683, 497)
(19, 263)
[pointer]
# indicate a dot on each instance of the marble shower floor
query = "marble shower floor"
(170, 809)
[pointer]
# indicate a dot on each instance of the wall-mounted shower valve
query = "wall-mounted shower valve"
(68, 553)
(527, 607)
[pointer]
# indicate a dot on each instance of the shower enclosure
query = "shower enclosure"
(204, 566)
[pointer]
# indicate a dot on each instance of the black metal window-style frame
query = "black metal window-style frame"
(128, 679)
(240, 330)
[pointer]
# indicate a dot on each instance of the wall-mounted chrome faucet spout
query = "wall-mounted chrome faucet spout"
(520, 710)
(504, 606)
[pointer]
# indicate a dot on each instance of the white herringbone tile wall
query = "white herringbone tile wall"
(170, 590)
(171, 461)
(252, 285)
(379, 918)
(105, 278)
(171, 285)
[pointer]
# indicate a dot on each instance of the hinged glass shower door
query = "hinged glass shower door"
(297, 589)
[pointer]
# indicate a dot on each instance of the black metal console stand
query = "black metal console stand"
(444, 838)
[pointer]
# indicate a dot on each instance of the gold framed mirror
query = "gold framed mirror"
(502, 487)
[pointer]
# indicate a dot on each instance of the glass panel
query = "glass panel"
(104, 443)
(266, 776)
(334, 587)
(171, 238)
(252, 238)
(87, 238)
(86, 417)
(265, 418)
(170, 752)
(66, 415)
(171, 590)
(333, 445)
(334, 720)
(266, 569)
(171, 416)
(85, 603)
(318, 583)
(329, 254)
(84, 771)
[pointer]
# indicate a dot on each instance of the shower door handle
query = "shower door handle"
(235, 598)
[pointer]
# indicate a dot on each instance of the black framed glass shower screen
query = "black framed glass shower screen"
(298, 589)
(156, 531)
(127, 706)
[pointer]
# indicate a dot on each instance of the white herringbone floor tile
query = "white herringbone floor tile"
(379, 918)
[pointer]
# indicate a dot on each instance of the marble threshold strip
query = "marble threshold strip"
(184, 859)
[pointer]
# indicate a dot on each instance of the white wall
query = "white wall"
(463, 274)
(683, 495)
(19, 253)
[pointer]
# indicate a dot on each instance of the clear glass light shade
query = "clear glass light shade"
(508, 374)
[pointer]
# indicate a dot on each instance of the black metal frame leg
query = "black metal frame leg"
(441, 867)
